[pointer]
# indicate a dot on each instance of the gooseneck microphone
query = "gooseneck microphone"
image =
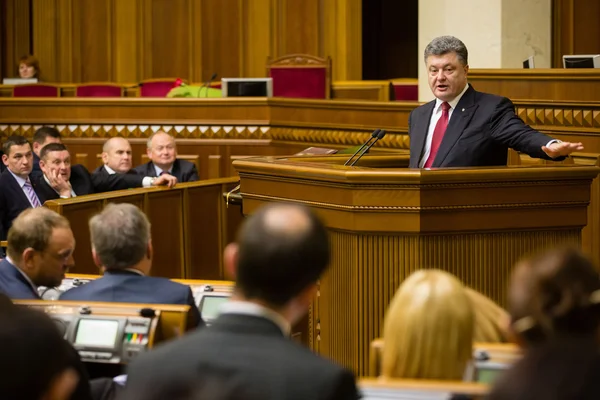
(373, 136)
(380, 135)
(208, 82)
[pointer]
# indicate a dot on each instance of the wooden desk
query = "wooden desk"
(386, 222)
(556, 84)
(191, 226)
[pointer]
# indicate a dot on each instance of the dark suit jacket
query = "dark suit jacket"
(80, 180)
(183, 170)
(13, 283)
(36, 172)
(105, 182)
(129, 287)
(12, 201)
(247, 356)
(481, 130)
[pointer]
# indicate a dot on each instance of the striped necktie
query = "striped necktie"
(33, 199)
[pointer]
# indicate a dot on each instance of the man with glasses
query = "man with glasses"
(39, 253)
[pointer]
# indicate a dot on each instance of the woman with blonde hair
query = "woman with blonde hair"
(428, 328)
(490, 319)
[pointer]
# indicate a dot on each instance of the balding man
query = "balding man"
(116, 156)
(280, 254)
(39, 253)
(162, 152)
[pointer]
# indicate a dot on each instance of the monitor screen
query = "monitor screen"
(209, 307)
(582, 61)
(488, 372)
(97, 332)
(247, 87)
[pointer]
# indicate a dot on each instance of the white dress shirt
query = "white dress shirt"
(159, 171)
(435, 116)
(247, 308)
(21, 183)
(146, 182)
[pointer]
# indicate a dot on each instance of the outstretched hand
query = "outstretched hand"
(165, 180)
(561, 149)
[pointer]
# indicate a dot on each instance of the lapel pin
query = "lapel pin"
(463, 110)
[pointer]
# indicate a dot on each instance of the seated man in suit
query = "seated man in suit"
(116, 156)
(466, 128)
(43, 136)
(281, 252)
(60, 179)
(162, 152)
(39, 253)
(17, 191)
(122, 245)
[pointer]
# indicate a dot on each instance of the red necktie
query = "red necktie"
(438, 134)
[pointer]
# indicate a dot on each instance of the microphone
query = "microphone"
(208, 82)
(373, 136)
(380, 135)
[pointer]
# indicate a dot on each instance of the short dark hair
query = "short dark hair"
(555, 293)
(52, 147)
(42, 133)
(14, 140)
(34, 352)
(276, 263)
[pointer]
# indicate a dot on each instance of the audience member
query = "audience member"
(280, 254)
(37, 359)
(122, 245)
(29, 67)
(17, 192)
(162, 152)
(60, 179)
(116, 156)
(43, 136)
(428, 328)
(490, 319)
(554, 306)
(39, 253)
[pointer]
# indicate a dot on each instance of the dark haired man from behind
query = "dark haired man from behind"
(281, 252)
(43, 136)
(122, 245)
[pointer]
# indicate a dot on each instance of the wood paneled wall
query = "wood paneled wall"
(133, 40)
(575, 28)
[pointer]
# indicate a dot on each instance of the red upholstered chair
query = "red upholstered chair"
(406, 89)
(157, 87)
(301, 76)
(99, 90)
(36, 90)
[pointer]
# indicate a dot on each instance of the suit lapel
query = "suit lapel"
(418, 133)
(19, 191)
(176, 171)
(461, 116)
(150, 170)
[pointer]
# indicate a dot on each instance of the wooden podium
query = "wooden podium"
(387, 221)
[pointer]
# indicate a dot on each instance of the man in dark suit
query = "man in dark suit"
(466, 128)
(281, 252)
(17, 191)
(116, 173)
(60, 179)
(162, 152)
(43, 136)
(121, 244)
(39, 253)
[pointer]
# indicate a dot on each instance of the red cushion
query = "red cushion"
(156, 89)
(309, 83)
(98, 91)
(406, 92)
(35, 91)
